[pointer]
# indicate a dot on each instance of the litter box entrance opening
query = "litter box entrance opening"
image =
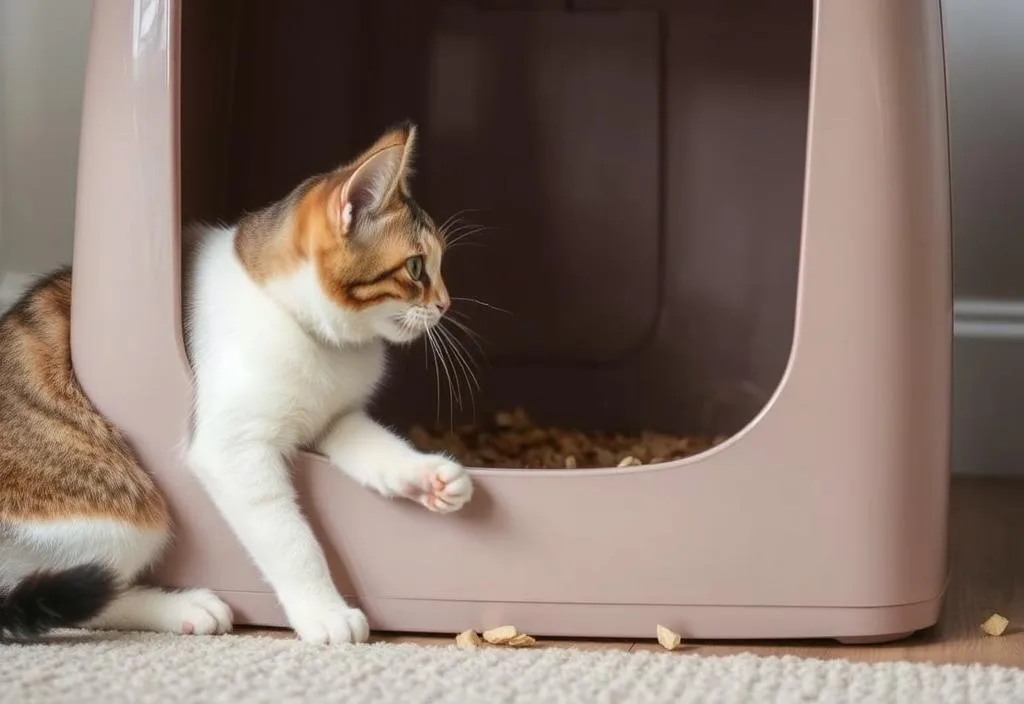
(637, 166)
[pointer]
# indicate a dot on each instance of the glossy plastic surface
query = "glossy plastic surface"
(701, 197)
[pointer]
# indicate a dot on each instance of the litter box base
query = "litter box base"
(858, 625)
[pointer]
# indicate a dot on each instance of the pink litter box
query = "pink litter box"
(691, 201)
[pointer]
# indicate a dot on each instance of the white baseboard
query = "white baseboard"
(12, 285)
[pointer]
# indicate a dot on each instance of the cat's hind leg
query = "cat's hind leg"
(190, 612)
(29, 548)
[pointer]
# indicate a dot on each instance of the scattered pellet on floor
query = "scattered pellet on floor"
(995, 625)
(500, 635)
(522, 641)
(513, 440)
(668, 638)
(468, 640)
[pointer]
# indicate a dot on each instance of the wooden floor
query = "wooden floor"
(987, 563)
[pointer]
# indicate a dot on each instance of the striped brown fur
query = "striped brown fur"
(59, 458)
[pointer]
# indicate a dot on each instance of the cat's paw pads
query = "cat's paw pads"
(331, 625)
(444, 486)
(200, 612)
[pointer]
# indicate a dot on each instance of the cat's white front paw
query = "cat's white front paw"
(438, 483)
(330, 624)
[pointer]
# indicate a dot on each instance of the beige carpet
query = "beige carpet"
(109, 668)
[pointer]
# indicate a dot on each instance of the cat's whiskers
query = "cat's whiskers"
(464, 234)
(449, 354)
(451, 226)
(458, 364)
(454, 382)
(458, 367)
(466, 360)
(472, 334)
(456, 220)
(455, 364)
(431, 345)
(439, 358)
(456, 217)
(467, 363)
(481, 303)
(455, 230)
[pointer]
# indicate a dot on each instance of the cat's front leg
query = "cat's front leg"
(250, 485)
(377, 458)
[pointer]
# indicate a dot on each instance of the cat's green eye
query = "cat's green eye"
(414, 265)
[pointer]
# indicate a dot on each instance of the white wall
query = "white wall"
(42, 57)
(43, 45)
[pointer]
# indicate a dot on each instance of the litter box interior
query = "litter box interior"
(628, 175)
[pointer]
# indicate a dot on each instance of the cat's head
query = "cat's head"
(372, 255)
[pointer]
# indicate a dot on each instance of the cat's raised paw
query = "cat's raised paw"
(444, 486)
(332, 625)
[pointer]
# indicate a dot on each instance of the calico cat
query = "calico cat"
(79, 518)
(288, 313)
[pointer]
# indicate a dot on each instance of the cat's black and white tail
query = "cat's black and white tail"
(44, 601)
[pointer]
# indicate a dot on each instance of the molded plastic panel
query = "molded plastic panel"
(797, 243)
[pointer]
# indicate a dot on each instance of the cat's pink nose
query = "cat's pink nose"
(443, 303)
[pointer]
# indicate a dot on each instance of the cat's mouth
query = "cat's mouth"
(420, 318)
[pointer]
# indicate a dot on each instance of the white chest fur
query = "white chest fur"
(259, 372)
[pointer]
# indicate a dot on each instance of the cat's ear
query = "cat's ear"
(378, 176)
